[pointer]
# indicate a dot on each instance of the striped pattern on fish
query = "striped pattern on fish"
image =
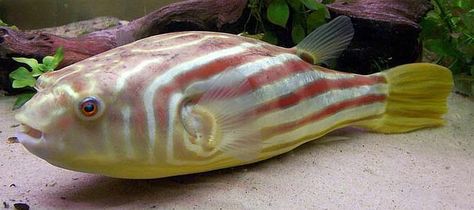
(284, 84)
(189, 102)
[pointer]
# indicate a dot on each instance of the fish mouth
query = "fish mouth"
(30, 131)
(29, 135)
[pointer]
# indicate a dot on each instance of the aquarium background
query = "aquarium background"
(447, 34)
(34, 14)
(426, 169)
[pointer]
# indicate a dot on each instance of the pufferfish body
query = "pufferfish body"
(189, 102)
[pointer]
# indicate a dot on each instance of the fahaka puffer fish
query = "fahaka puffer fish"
(189, 102)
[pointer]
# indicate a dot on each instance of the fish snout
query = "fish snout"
(39, 114)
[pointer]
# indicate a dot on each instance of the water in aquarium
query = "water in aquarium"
(235, 104)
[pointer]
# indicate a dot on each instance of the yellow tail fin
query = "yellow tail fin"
(417, 98)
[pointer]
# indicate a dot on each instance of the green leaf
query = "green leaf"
(468, 20)
(467, 48)
(6, 25)
(448, 34)
(297, 33)
(270, 37)
(313, 5)
(37, 72)
(43, 68)
(21, 83)
(48, 62)
(21, 73)
(463, 4)
(278, 12)
(315, 19)
(22, 78)
(51, 62)
(58, 57)
(441, 47)
(22, 99)
(295, 4)
(433, 28)
(31, 62)
(456, 67)
(3, 23)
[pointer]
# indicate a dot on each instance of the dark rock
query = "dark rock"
(21, 206)
(386, 33)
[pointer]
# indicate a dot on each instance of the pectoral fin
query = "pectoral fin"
(221, 118)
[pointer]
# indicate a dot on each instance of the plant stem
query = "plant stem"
(440, 58)
(445, 17)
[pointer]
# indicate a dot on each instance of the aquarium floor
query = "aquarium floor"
(426, 169)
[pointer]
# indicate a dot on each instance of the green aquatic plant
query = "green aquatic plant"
(448, 33)
(3, 23)
(26, 79)
(7, 25)
(299, 17)
(448, 38)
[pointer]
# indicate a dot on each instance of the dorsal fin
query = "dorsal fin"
(327, 41)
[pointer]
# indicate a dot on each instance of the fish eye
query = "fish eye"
(90, 108)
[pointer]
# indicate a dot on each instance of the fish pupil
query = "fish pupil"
(89, 107)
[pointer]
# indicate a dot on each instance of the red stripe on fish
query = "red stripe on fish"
(182, 81)
(326, 112)
(278, 72)
(138, 114)
(210, 69)
(265, 77)
(316, 88)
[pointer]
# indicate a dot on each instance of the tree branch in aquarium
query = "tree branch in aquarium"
(195, 14)
(211, 15)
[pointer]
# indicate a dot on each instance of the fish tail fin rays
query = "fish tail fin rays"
(327, 41)
(221, 119)
(417, 98)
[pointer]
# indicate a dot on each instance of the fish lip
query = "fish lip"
(29, 135)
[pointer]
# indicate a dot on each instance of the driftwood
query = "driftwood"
(79, 28)
(386, 31)
(194, 14)
(212, 15)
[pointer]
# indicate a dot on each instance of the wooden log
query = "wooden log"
(397, 12)
(210, 15)
(83, 27)
(386, 33)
